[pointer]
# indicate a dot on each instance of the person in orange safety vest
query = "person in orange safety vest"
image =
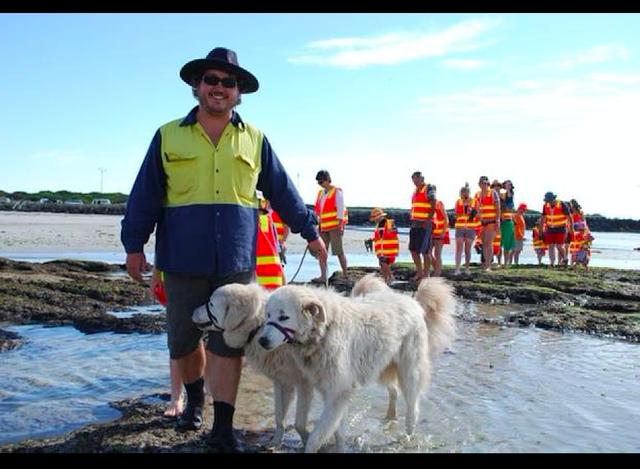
(333, 216)
(466, 225)
(269, 271)
(385, 242)
(440, 227)
(488, 202)
(556, 220)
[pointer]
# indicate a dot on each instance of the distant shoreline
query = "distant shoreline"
(357, 215)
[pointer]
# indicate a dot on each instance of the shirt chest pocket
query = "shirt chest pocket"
(244, 177)
(181, 170)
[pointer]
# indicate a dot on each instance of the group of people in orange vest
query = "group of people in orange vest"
(488, 221)
(562, 228)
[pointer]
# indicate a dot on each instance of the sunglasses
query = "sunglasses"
(213, 80)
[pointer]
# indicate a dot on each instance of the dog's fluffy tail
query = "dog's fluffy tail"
(368, 284)
(436, 297)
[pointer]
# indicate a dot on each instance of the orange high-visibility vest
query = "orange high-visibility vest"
(487, 206)
(506, 215)
(269, 272)
(496, 243)
(577, 240)
(279, 224)
(329, 212)
(462, 214)
(420, 205)
(554, 216)
(538, 240)
(438, 220)
(520, 226)
(386, 244)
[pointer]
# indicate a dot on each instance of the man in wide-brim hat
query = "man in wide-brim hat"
(219, 59)
(197, 189)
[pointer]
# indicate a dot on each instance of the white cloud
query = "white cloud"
(603, 53)
(565, 103)
(616, 78)
(395, 48)
(526, 84)
(567, 136)
(462, 64)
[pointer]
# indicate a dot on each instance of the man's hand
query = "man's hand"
(136, 265)
(318, 249)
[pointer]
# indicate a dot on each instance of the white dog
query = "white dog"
(239, 312)
(343, 343)
(435, 296)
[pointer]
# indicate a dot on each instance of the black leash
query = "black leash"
(299, 266)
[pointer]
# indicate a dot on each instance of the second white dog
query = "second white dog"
(342, 343)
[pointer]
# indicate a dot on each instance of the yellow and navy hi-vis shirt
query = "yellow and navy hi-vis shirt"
(201, 198)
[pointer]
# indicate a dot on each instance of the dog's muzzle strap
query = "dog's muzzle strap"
(286, 332)
(212, 318)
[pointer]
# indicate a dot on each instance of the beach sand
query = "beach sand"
(65, 232)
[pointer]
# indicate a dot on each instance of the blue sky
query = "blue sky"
(551, 101)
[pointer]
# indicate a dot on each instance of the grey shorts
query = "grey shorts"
(466, 233)
(420, 238)
(333, 238)
(519, 244)
(184, 294)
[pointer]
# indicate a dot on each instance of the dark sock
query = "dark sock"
(222, 418)
(195, 392)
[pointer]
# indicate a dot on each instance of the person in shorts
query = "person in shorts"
(204, 214)
(332, 213)
(466, 225)
(422, 212)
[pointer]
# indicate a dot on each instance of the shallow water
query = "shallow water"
(614, 250)
(497, 389)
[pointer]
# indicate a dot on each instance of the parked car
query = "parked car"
(100, 202)
(5, 200)
(44, 200)
(74, 202)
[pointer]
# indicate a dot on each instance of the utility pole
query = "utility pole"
(102, 171)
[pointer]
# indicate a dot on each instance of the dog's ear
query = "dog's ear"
(315, 309)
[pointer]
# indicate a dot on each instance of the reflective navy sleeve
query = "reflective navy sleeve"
(144, 207)
(277, 187)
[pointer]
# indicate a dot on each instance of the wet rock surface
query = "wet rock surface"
(142, 428)
(71, 292)
(9, 340)
(602, 301)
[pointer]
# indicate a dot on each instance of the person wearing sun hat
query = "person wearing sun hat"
(556, 215)
(197, 189)
(385, 242)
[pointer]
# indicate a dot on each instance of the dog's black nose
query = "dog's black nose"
(264, 342)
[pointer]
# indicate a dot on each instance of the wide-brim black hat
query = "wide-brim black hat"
(224, 59)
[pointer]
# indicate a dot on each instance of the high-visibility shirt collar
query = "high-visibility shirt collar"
(192, 119)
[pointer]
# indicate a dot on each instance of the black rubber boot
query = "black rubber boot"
(222, 437)
(191, 418)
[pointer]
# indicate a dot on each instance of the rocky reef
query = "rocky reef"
(602, 301)
(71, 292)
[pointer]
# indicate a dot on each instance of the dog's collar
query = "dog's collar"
(286, 332)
